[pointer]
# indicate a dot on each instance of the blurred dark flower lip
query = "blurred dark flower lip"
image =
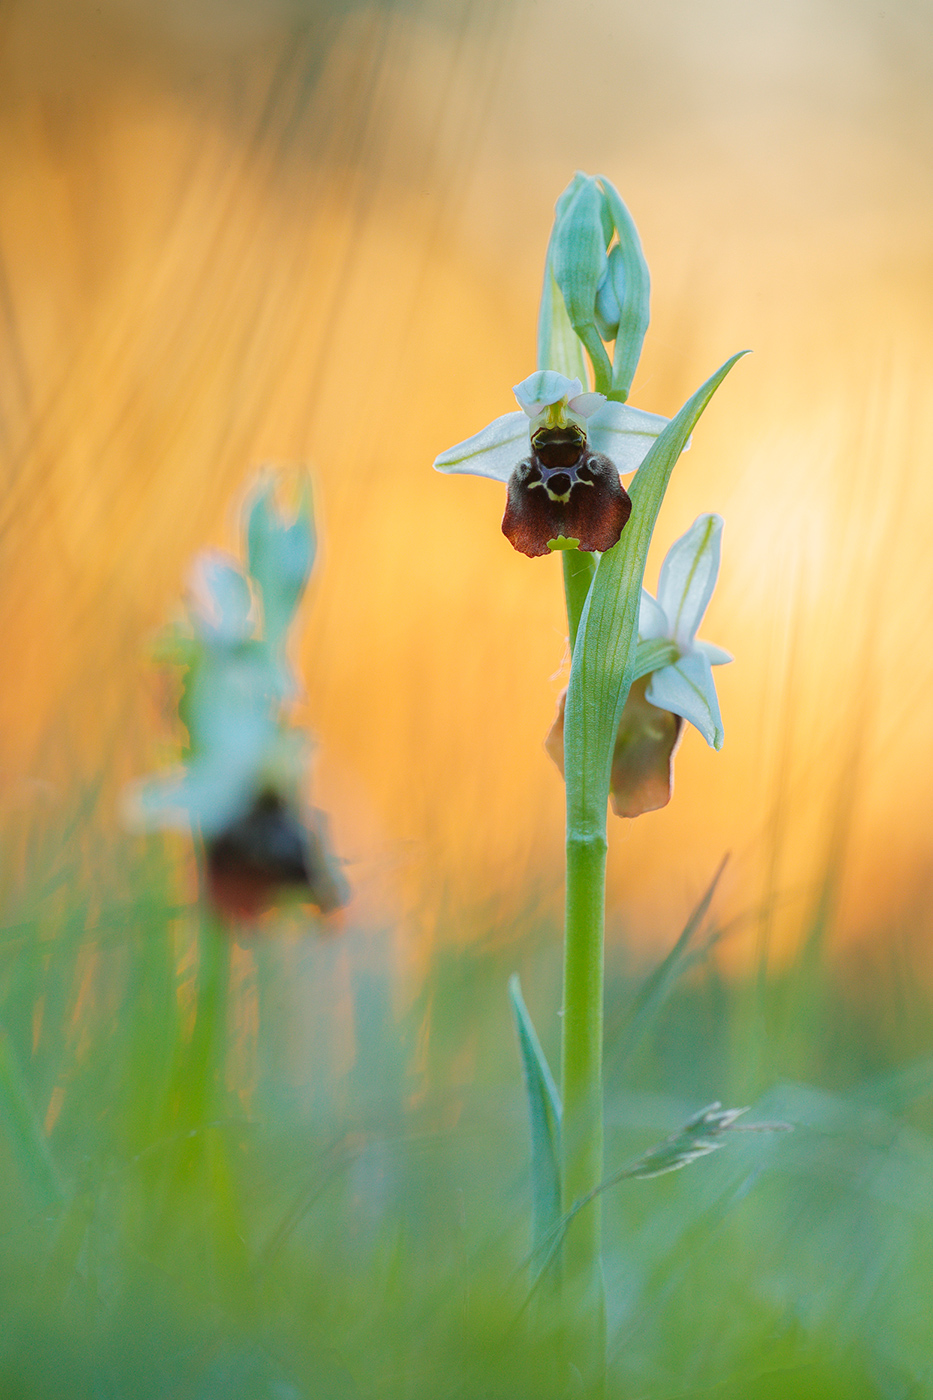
(268, 852)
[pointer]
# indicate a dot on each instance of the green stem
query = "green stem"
(581, 1078)
(579, 568)
(582, 1058)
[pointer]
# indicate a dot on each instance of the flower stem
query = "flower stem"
(582, 1057)
(581, 1078)
(579, 567)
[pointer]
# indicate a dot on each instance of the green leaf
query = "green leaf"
(605, 650)
(544, 1113)
(632, 287)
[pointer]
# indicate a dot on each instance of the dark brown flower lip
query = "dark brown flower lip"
(550, 497)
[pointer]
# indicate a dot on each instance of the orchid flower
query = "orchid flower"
(673, 677)
(239, 789)
(561, 457)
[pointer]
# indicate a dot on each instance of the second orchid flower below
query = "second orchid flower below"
(673, 677)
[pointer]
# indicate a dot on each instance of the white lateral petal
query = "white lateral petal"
(688, 576)
(687, 689)
(716, 656)
(545, 387)
(494, 452)
(625, 434)
(586, 404)
(652, 621)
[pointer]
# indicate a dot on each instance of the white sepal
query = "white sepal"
(652, 619)
(716, 656)
(494, 452)
(688, 576)
(686, 688)
(625, 434)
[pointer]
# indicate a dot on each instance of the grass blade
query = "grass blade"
(23, 1129)
(544, 1114)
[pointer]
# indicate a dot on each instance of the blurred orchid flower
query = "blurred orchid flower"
(673, 677)
(561, 457)
(240, 787)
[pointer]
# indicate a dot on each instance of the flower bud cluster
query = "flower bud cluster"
(596, 264)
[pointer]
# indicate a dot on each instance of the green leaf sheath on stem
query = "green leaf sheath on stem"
(544, 1114)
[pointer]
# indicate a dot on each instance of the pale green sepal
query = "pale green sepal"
(578, 260)
(495, 451)
(631, 285)
(716, 656)
(544, 387)
(544, 1112)
(280, 556)
(651, 655)
(625, 434)
(687, 688)
(688, 576)
(652, 619)
(604, 653)
(608, 310)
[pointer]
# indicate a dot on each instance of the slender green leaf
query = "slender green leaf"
(544, 1113)
(605, 650)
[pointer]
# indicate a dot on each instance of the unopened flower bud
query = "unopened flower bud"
(280, 555)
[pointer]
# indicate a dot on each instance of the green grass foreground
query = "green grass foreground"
(290, 1182)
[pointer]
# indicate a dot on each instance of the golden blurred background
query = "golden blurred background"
(242, 231)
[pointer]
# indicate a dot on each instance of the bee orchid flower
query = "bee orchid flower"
(560, 456)
(239, 790)
(673, 677)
